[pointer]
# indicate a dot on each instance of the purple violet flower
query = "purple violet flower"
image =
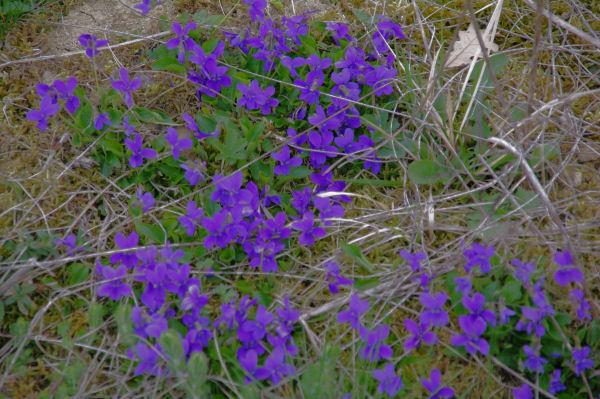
(91, 44)
(275, 367)
(287, 315)
(283, 157)
(471, 339)
(534, 317)
(217, 227)
(227, 188)
(375, 349)
(249, 361)
(419, 335)
(129, 259)
(328, 209)
(389, 382)
(320, 143)
(255, 9)
(139, 153)
(65, 90)
(192, 125)
(308, 88)
(148, 357)
(463, 285)
(523, 392)
(386, 29)
(254, 97)
(333, 275)
(505, 314)
(190, 219)
(47, 108)
(115, 289)
(565, 275)
(172, 138)
(193, 174)
(181, 39)
(301, 200)
(414, 261)
(582, 307)
(101, 121)
(433, 385)
(474, 305)
(524, 270)
(310, 232)
(480, 256)
(434, 314)
(339, 31)
(129, 129)
(344, 87)
(582, 363)
(145, 199)
(534, 362)
(555, 384)
(125, 85)
(380, 79)
(356, 309)
(70, 242)
(292, 63)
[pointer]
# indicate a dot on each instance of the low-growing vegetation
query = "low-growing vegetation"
(352, 202)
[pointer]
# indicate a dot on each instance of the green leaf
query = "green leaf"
(227, 255)
(511, 291)
(309, 45)
(320, 380)
(210, 45)
(363, 284)
(245, 287)
(203, 18)
(545, 152)
(375, 182)
(408, 360)
(160, 52)
(170, 342)
(73, 375)
(528, 199)
(593, 335)
(95, 314)
(354, 252)
(254, 132)
(299, 172)
(391, 150)
(197, 367)
(150, 231)
(19, 328)
(169, 64)
(83, 115)
(125, 324)
(63, 329)
(427, 171)
(233, 148)
(114, 146)
(205, 124)
(78, 273)
(150, 116)
(364, 17)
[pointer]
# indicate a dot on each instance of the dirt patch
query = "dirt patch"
(106, 18)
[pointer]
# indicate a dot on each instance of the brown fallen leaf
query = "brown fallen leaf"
(467, 47)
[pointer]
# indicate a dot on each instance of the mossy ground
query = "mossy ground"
(40, 198)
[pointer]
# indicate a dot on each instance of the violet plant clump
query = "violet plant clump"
(235, 219)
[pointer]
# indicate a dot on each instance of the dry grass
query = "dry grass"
(548, 94)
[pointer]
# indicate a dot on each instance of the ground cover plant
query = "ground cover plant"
(304, 207)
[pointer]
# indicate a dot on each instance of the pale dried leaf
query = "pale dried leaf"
(467, 47)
